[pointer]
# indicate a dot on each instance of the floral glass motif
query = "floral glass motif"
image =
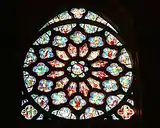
(29, 112)
(96, 98)
(77, 69)
(58, 98)
(73, 72)
(77, 37)
(125, 112)
(59, 41)
(95, 41)
(46, 53)
(114, 69)
(45, 85)
(109, 53)
(109, 85)
(77, 102)
(40, 69)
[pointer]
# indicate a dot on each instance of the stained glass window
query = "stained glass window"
(78, 71)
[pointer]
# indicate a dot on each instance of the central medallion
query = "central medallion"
(77, 69)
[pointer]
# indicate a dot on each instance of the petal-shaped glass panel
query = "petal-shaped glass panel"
(59, 41)
(96, 41)
(93, 55)
(62, 55)
(72, 50)
(94, 83)
(83, 50)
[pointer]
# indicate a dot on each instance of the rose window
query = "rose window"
(78, 69)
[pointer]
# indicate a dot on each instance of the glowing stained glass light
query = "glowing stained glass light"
(45, 85)
(55, 74)
(109, 85)
(109, 53)
(61, 83)
(83, 50)
(44, 39)
(29, 112)
(77, 37)
(29, 81)
(96, 41)
(41, 101)
(91, 16)
(64, 16)
(62, 55)
(125, 112)
(58, 98)
(99, 74)
(93, 55)
(114, 69)
(30, 58)
(64, 112)
(78, 13)
(101, 20)
(112, 101)
(91, 112)
(96, 98)
(72, 88)
(126, 81)
(83, 88)
(77, 102)
(94, 83)
(90, 28)
(72, 50)
(77, 69)
(112, 40)
(65, 28)
(59, 41)
(125, 59)
(40, 69)
(99, 63)
(71, 71)
(57, 64)
(46, 53)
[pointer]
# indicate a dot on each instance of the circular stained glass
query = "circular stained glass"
(77, 69)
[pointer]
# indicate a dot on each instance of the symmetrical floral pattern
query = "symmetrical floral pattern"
(125, 112)
(75, 72)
